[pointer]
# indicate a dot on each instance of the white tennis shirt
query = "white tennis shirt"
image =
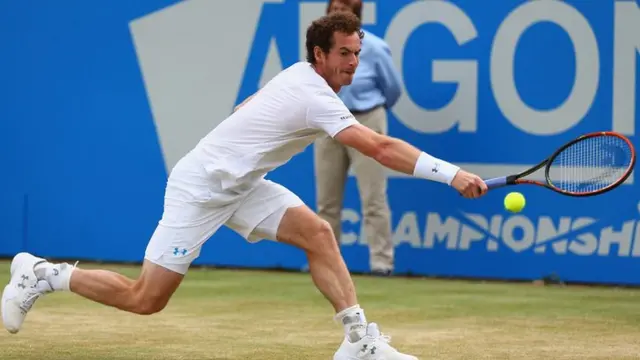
(292, 110)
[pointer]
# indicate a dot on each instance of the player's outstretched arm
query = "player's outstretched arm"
(401, 156)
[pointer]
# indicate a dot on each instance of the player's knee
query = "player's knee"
(148, 304)
(321, 239)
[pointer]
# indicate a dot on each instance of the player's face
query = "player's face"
(342, 60)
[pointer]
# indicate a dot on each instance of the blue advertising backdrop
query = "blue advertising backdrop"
(495, 88)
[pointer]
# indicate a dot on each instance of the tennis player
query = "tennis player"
(221, 182)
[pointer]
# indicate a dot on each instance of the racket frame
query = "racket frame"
(517, 179)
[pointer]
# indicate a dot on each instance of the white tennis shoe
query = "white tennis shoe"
(22, 291)
(373, 346)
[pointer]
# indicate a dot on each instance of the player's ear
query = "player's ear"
(318, 54)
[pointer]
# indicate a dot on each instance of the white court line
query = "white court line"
(487, 171)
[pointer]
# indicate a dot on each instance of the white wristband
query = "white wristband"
(431, 168)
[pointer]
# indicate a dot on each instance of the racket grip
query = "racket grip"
(496, 182)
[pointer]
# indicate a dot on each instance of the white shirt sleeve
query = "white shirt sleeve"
(327, 112)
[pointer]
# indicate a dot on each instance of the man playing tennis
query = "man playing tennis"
(221, 182)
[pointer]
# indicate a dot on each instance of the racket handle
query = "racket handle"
(496, 182)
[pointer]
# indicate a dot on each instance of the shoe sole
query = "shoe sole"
(18, 261)
(5, 321)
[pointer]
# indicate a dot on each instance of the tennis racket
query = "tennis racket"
(591, 164)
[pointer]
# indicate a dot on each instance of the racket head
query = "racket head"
(592, 164)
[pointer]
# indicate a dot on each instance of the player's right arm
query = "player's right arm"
(327, 112)
(403, 157)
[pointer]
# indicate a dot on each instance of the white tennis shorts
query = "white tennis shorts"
(193, 212)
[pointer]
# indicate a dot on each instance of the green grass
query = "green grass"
(224, 314)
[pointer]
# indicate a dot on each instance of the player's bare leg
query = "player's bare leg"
(304, 229)
(32, 277)
(146, 295)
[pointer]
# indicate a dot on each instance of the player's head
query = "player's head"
(355, 6)
(333, 47)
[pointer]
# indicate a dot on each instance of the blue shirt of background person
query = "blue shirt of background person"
(376, 81)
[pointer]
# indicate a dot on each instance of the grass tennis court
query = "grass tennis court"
(224, 314)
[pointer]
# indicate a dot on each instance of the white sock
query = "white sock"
(57, 275)
(354, 322)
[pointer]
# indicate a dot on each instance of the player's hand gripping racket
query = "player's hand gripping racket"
(590, 165)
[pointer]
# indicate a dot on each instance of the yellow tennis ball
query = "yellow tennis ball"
(514, 202)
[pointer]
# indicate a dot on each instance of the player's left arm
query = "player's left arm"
(401, 156)
(327, 112)
(390, 152)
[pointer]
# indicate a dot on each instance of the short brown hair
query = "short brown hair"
(355, 5)
(320, 32)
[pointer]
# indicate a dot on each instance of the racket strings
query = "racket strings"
(590, 165)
